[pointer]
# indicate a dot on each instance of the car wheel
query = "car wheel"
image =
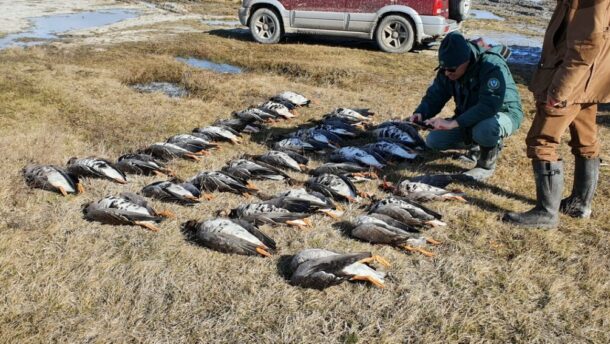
(395, 34)
(265, 26)
(459, 10)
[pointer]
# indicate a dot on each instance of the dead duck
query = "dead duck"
(265, 213)
(355, 172)
(255, 115)
(407, 128)
(286, 160)
(52, 178)
(357, 155)
(320, 269)
(239, 125)
(438, 180)
(222, 182)
(344, 130)
(292, 97)
(96, 168)
(337, 122)
(278, 109)
(302, 201)
(126, 209)
(169, 191)
(192, 143)
(390, 151)
(143, 164)
(408, 212)
(339, 188)
(229, 236)
(352, 115)
(245, 169)
(217, 133)
(169, 151)
(320, 139)
(293, 144)
(421, 192)
(381, 229)
(396, 135)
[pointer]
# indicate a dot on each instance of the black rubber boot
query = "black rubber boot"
(549, 186)
(486, 164)
(586, 174)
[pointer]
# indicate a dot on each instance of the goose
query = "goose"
(357, 155)
(343, 130)
(319, 269)
(221, 182)
(286, 160)
(299, 200)
(352, 115)
(338, 122)
(265, 213)
(237, 124)
(143, 164)
(408, 128)
(406, 211)
(319, 138)
(96, 168)
(355, 172)
(438, 180)
(216, 133)
(381, 229)
(168, 151)
(291, 97)
(195, 144)
(396, 135)
(229, 236)
(247, 169)
(422, 192)
(125, 209)
(390, 151)
(169, 191)
(335, 187)
(255, 115)
(52, 178)
(278, 109)
(293, 144)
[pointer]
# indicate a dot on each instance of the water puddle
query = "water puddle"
(216, 22)
(525, 50)
(206, 64)
(484, 15)
(50, 27)
(167, 88)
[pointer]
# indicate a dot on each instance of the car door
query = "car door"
(362, 13)
(318, 14)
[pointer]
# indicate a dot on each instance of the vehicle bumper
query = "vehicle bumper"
(243, 13)
(437, 26)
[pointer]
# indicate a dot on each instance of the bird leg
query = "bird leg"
(418, 250)
(166, 213)
(386, 185)
(120, 181)
(457, 198)
(297, 223)
(335, 214)
(147, 225)
(375, 258)
(192, 156)
(308, 222)
(204, 152)
(208, 196)
(370, 279)
(251, 186)
(235, 141)
(435, 223)
(62, 190)
(80, 188)
(295, 112)
(364, 194)
(303, 167)
(261, 250)
(433, 242)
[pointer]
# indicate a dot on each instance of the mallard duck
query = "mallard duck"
(247, 169)
(336, 187)
(195, 144)
(396, 135)
(229, 236)
(168, 151)
(390, 151)
(96, 168)
(422, 192)
(355, 172)
(291, 97)
(278, 109)
(143, 164)
(216, 133)
(126, 209)
(301, 201)
(293, 144)
(52, 178)
(265, 213)
(352, 115)
(357, 155)
(406, 211)
(285, 160)
(183, 193)
(255, 115)
(319, 269)
(381, 229)
(222, 182)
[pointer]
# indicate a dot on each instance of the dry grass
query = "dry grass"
(67, 280)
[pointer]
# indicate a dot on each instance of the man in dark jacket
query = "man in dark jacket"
(572, 78)
(488, 105)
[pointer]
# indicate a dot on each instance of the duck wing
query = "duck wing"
(253, 229)
(96, 167)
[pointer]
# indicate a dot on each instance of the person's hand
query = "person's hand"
(442, 124)
(416, 117)
(552, 102)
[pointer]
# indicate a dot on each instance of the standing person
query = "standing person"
(487, 102)
(572, 78)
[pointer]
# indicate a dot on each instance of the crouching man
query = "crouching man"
(488, 105)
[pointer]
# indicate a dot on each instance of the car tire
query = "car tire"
(395, 34)
(459, 10)
(266, 26)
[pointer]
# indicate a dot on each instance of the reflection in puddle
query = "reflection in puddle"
(205, 64)
(48, 27)
(213, 22)
(169, 89)
(484, 15)
(525, 50)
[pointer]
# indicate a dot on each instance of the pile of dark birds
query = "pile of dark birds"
(355, 148)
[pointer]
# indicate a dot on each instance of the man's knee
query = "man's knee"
(437, 141)
(486, 134)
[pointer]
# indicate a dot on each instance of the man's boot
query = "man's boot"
(486, 164)
(549, 186)
(586, 174)
(471, 156)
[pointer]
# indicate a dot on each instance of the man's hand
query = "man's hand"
(442, 124)
(416, 117)
(552, 102)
